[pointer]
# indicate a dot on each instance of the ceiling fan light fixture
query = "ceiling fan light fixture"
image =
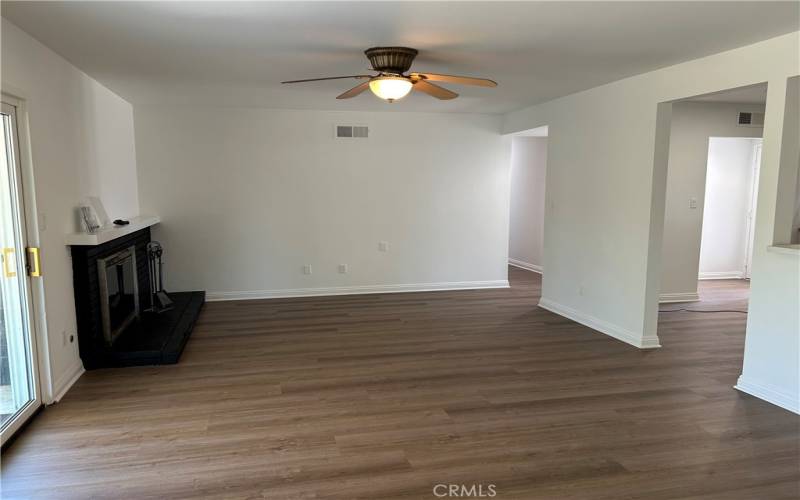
(393, 81)
(390, 88)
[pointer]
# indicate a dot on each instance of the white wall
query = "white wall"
(606, 186)
(692, 125)
(772, 348)
(109, 141)
(81, 144)
(728, 200)
(526, 225)
(249, 196)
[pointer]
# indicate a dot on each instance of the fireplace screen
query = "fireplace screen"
(119, 292)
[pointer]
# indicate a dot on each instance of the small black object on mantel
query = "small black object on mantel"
(121, 222)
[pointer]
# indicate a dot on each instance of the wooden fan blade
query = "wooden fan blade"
(463, 80)
(361, 87)
(434, 90)
(329, 78)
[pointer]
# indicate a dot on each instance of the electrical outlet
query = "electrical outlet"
(342, 268)
(692, 202)
(581, 290)
(383, 246)
(307, 269)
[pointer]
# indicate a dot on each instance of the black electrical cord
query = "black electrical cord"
(701, 311)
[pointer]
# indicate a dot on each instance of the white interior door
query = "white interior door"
(728, 208)
(19, 389)
(751, 214)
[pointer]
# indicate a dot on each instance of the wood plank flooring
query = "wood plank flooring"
(385, 396)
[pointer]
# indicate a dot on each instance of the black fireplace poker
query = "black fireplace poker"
(159, 300)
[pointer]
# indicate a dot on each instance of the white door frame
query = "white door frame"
(24, 371)
(43, 382)
(17, 97)
(751, 212)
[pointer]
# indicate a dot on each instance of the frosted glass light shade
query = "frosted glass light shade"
(390, 88)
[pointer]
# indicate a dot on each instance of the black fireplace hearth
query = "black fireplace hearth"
(112, 283)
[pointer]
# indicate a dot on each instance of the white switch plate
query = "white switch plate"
(307, 269)
(383, 246)
(342, 268)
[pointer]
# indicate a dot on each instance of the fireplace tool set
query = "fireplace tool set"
(159, 300)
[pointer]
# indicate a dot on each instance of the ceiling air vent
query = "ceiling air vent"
(750, 119)
(351, 132)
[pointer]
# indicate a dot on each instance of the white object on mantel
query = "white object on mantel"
(109, 233)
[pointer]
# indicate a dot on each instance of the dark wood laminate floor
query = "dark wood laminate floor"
(385, 396)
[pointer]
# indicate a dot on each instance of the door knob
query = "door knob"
(34, 265)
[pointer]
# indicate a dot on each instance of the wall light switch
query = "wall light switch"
(342, 268)
(383, 246)
(692, 202)
(307, 269)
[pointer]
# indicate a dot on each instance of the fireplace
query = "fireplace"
(119, 292)
(117, 325)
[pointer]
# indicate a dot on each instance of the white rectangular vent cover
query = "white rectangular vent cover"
(749, 119)
(351, 131)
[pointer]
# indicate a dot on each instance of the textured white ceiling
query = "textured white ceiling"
(236, 53)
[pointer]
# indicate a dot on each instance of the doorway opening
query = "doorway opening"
(710, 204)
(726, 243)
(527, 200)
(527, 206)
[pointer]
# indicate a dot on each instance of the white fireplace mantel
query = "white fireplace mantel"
(109, 233)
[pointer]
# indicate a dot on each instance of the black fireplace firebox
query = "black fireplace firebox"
(112, 284)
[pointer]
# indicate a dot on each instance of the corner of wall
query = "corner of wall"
(602, 326)
(770, 393)
(66, 381)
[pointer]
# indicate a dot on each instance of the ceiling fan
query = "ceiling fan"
(392, 82)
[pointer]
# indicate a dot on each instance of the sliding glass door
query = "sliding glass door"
(19, 394)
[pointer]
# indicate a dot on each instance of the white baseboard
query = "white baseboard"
(721, 275)
(525, 265)
(66, 381)
(354, 290)
(678, 297)
(769, 393)
(600, 325)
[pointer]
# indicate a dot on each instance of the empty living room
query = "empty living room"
(400, 250)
